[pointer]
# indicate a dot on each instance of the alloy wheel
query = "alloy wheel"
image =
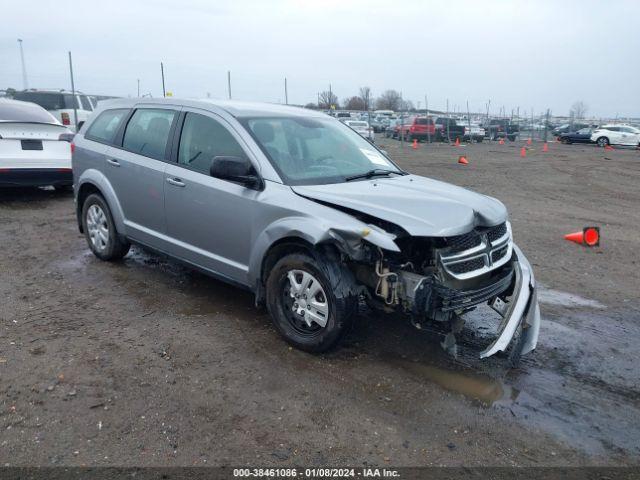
(97, 227)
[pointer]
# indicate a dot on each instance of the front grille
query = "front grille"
(460, 243)
(467, 266)
(448, 299)
(477, 252)
(497, 232)
(498, 254)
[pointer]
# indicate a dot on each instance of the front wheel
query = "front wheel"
(602, 141)
(311, 300)
(100, 230)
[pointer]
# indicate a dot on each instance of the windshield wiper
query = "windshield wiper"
(376, 172)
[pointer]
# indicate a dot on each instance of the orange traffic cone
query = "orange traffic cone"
(457, 142)
(501, 142)
(545, 147)
(608, 147)
(589, 236)
(415, 143)
(529, 141)
(463, 160)
(523, 152)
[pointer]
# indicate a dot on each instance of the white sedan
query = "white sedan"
(616, 135)
(35, 148)
(362, 128)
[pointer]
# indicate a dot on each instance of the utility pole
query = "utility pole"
(286, 95)
(138, 88)
(25, 84)
(164, 93)
(73, 93)
(229, 83)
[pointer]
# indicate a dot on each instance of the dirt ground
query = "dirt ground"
(145, 362)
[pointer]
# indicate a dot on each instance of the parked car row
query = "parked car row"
(604, 135)
(440, 129)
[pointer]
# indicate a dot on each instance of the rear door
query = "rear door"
(136, 170)
(208, 219)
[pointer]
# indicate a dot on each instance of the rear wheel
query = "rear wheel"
(310, 300)
(602, 141)
(100, 231)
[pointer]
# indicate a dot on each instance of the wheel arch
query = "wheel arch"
(93, 181)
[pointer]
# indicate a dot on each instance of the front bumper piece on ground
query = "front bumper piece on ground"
(522, 310)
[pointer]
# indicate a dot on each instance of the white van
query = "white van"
(60, 104)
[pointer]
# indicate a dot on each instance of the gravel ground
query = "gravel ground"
(144, 362)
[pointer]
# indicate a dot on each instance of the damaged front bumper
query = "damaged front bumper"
(522, 311)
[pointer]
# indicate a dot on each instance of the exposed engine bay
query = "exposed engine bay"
(439, 279)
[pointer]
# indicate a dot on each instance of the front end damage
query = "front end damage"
(436, 280)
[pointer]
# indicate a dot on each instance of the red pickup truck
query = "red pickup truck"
(419, 128)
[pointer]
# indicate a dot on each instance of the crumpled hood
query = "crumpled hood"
(421, 206)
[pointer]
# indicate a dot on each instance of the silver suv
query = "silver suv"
(301, 210)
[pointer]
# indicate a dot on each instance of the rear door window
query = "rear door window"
(147, 132)
(104, 128)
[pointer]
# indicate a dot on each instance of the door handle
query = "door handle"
(176, 182)
(113, 161)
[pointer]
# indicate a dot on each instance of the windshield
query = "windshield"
(314, 151)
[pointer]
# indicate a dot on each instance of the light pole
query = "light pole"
(25, 84)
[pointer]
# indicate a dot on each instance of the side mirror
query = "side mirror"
(80, 124)
(235, 169)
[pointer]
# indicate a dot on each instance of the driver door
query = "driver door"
(209, 220)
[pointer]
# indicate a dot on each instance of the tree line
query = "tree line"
(388, 100)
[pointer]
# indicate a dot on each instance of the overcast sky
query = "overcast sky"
(527, 54)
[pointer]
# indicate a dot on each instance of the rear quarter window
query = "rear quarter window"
(104, 128)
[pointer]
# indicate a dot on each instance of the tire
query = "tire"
(100, 231)
(337, 292)
(602, 141)
(479, 140)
